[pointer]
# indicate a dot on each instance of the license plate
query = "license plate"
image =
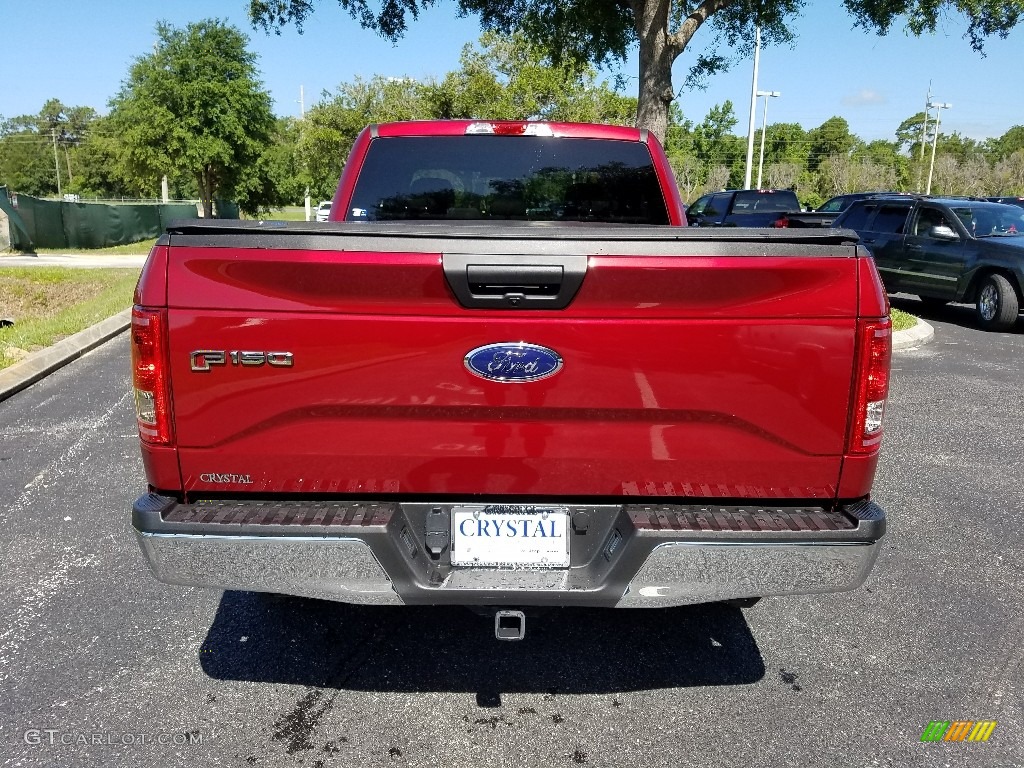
(536, 537)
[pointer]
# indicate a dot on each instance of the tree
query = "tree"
(782, 175)
(1008, 175)
(331, 126)
(508, 77)
(599, 31)
(1010, 142)
(26, 162)
(194, 107)
(28, 143)
(498, 78)
(786, 143)
(831, 138)
(65, 126)
(283, 163)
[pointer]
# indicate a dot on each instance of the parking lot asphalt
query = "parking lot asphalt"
(102, 665)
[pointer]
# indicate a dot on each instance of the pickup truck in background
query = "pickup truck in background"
(947, 250)
(777, 208)
(840, 203)
(510, 377)
(1011, 200)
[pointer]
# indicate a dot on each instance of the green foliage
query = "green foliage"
(911, 133)
(1010, 142)
(29, 143)
(598, 31)
(331, 127)
(960, 147)
(510, 78)
(785, 143)
(901, 320)
(26, 162)
(731, 29)
(984, 18)
(498, 78)
(715, 144)
(832, 137)
(195, 108)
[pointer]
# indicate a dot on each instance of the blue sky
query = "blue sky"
(79, 52)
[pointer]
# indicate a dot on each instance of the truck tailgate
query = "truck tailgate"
(333, 363)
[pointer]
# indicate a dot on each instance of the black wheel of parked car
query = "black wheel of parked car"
(932, 303)
(997, 303)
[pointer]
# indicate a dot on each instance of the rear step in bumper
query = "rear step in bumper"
(627, 555)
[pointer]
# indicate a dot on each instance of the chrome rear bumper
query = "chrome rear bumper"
(329, 569)
(686, 573)
(628, 556)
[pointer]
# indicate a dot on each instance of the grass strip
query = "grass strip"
(48, 304)
(901, 320)
(142, 247)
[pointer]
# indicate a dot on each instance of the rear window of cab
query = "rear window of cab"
(532, 178)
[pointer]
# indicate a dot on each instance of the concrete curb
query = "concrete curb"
(919, 335)
(44, 362)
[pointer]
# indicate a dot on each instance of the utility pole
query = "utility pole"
(764, 127)
(56, 162)
(938, 106)
(924, 136)
(302, 114)
(753, 109)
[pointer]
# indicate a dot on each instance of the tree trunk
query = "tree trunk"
(656, 57)
(659, 48)
(205, 180)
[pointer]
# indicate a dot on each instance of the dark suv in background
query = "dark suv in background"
(947, 249)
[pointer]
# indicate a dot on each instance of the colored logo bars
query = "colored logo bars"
(961, 730)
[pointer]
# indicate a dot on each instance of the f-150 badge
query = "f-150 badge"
(513, 362)
(205, 359)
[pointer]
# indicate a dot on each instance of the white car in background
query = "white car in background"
(323, 210)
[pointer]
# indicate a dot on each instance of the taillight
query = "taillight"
(781, 223)
(149, 375)
(873, 357)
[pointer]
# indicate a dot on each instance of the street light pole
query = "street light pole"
(938, 107)
(753, 109)
(56, 162)
(764, 127)
(924, 136)
(302, 115)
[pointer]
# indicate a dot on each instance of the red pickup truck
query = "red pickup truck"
(506, 374)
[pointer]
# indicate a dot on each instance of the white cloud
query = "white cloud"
(863, 97)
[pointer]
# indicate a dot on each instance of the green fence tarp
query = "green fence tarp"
(16, 232)
(36, 223)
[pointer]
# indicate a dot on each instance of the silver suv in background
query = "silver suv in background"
(323, 211)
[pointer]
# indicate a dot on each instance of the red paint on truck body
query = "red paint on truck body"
(717, 376)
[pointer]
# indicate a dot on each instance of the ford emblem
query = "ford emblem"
(513, 363)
